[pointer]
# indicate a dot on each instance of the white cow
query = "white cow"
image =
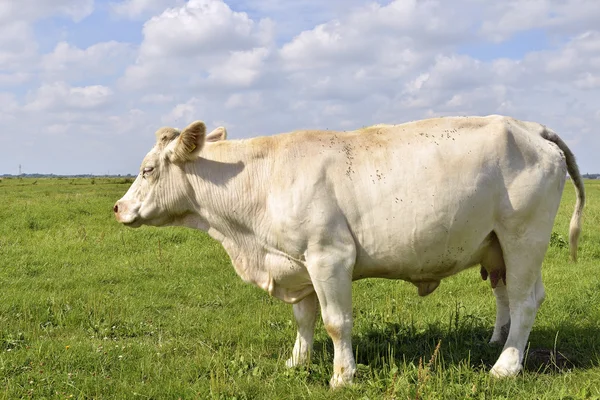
(304, 214)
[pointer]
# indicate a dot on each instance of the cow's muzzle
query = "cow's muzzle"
(125, 213)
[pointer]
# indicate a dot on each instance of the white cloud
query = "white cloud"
(18, 44)
(242, 68)
(68, 62)
(8, 105)
(156, 98)
(18, 48)
(588, 81)
(247, 100)
(580, 55)
(14, 79)
(189, 43)
(505, 18)
(184, 113)
(131, 121)
(456, 72)
(372, 51)
(59, 95)
(201, 28)
(395, 27)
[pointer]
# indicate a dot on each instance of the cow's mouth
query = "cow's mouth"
(128, 220)
(134, 223)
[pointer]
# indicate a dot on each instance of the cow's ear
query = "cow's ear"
(218, 134)
(190, 142)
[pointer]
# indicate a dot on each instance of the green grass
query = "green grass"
(90, 309)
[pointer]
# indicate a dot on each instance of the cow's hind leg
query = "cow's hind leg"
(523, 257)
(493, 265)
(502, 325)
(305, 312)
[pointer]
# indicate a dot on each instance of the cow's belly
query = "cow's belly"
(428, 246)
(415, 264)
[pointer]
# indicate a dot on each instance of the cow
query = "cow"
(303, 214)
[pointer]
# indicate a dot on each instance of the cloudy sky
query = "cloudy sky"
(85, 83)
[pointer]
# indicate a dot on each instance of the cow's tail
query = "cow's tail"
(573, 169)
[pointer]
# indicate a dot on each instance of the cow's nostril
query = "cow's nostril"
(116, 208)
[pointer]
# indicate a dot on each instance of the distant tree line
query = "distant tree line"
(65, 176)
(591, 176)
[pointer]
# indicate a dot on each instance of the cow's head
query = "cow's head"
(161, 193)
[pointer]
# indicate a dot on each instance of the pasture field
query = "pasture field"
(91, 309)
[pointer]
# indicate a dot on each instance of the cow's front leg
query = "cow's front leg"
(305, 312)
(332, 280)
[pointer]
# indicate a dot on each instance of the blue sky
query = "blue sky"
(84, 83)
(515, 47)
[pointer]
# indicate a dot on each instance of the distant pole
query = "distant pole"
(19, 169)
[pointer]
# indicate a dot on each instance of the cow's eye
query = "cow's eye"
(147, 170)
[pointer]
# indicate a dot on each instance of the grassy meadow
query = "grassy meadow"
(91, 309)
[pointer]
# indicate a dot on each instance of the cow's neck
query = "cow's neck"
(230, 186)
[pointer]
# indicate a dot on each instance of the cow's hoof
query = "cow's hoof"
(339, 380)
(500, 335)
(497, 340)
(505, 371)
(293, 362)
